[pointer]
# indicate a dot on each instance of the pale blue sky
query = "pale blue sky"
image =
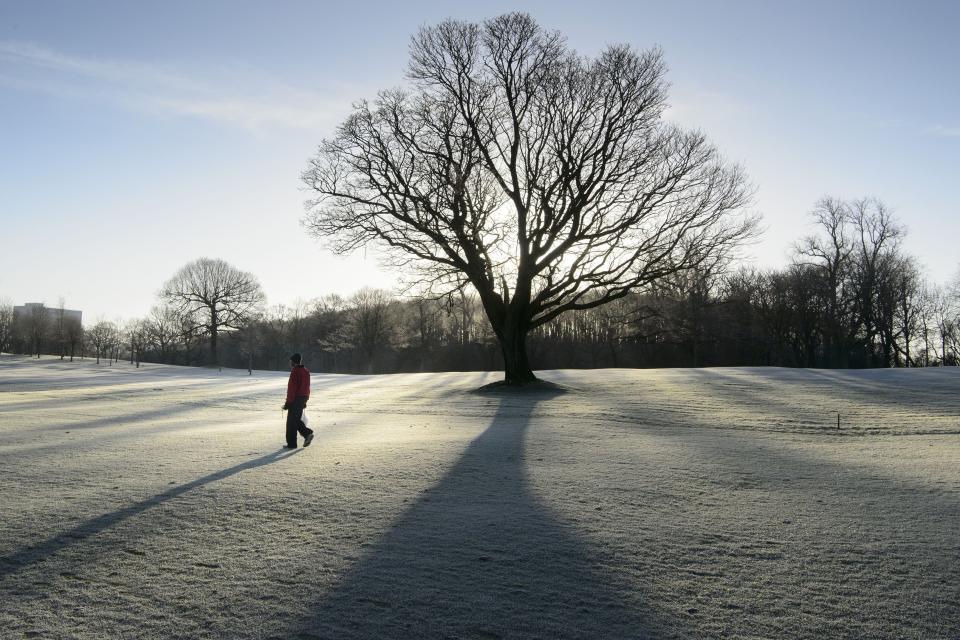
(137, 136)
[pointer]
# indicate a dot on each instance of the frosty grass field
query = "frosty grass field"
(684, 503)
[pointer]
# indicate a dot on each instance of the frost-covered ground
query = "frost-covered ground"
(157, 503)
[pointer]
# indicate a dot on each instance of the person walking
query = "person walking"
(298, 392)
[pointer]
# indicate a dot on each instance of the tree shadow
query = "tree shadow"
(933, 388)
(862, 530)
(480, 556)
(13, 563)
(808, 400)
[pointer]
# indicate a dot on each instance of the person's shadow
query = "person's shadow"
(39, 552)
(480, 556)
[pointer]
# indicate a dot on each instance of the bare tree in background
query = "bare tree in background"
(331, 332)
(189, 334)
(276, 333)
(74, 336)
(118, 338)
(546, 180)
(675, 310)
(36, 322)
(948, 322)
(251, 340)
(425, 326)
(60, 320)
(930, 301)
(139, 336)
(460, 306)
(371, 328)
(832, 254)
(7, 326)
(298, 324)
(217, 295)
(164, 329)
(907, 287)
(101, 337)
(878, 237)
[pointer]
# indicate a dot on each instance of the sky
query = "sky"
(137, 137)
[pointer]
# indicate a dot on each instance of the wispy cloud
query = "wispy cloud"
(946, 132)
(236, 100)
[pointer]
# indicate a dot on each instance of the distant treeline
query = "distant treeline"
(849, 298)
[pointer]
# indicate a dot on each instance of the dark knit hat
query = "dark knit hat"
(296, 358)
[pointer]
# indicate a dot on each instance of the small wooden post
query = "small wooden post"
(838, 421)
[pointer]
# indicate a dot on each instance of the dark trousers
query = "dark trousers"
(294, 421)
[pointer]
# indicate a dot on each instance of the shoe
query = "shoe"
(307, 440)
(286, 446)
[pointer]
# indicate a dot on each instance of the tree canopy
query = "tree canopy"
(546, 180)
(214, 295)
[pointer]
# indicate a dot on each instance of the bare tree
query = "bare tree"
(74, 336)
(331, 330)
(189, 334)
(60, 325)
(546, 180)
(37, 320)
(251, 340)
(299, 323)
(679, 301)
(425, 327)
(460, 306)
(118, 338)
(908, 299)
(930, 299)
(276, 332)
(139, 336)
(878, 237)
(832, 254)
(371, 328)
(7, 326)
(163, 327)
(948, 322)
(101, 336)
(218, 295)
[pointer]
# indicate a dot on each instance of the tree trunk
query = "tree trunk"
(510, 321)
(516, 365)
(214, 329)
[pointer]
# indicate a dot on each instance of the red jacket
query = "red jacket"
(299, 383)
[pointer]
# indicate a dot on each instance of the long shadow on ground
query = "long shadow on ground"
(15, 562)
(860, 535)
(479, 556)
(931, 390)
